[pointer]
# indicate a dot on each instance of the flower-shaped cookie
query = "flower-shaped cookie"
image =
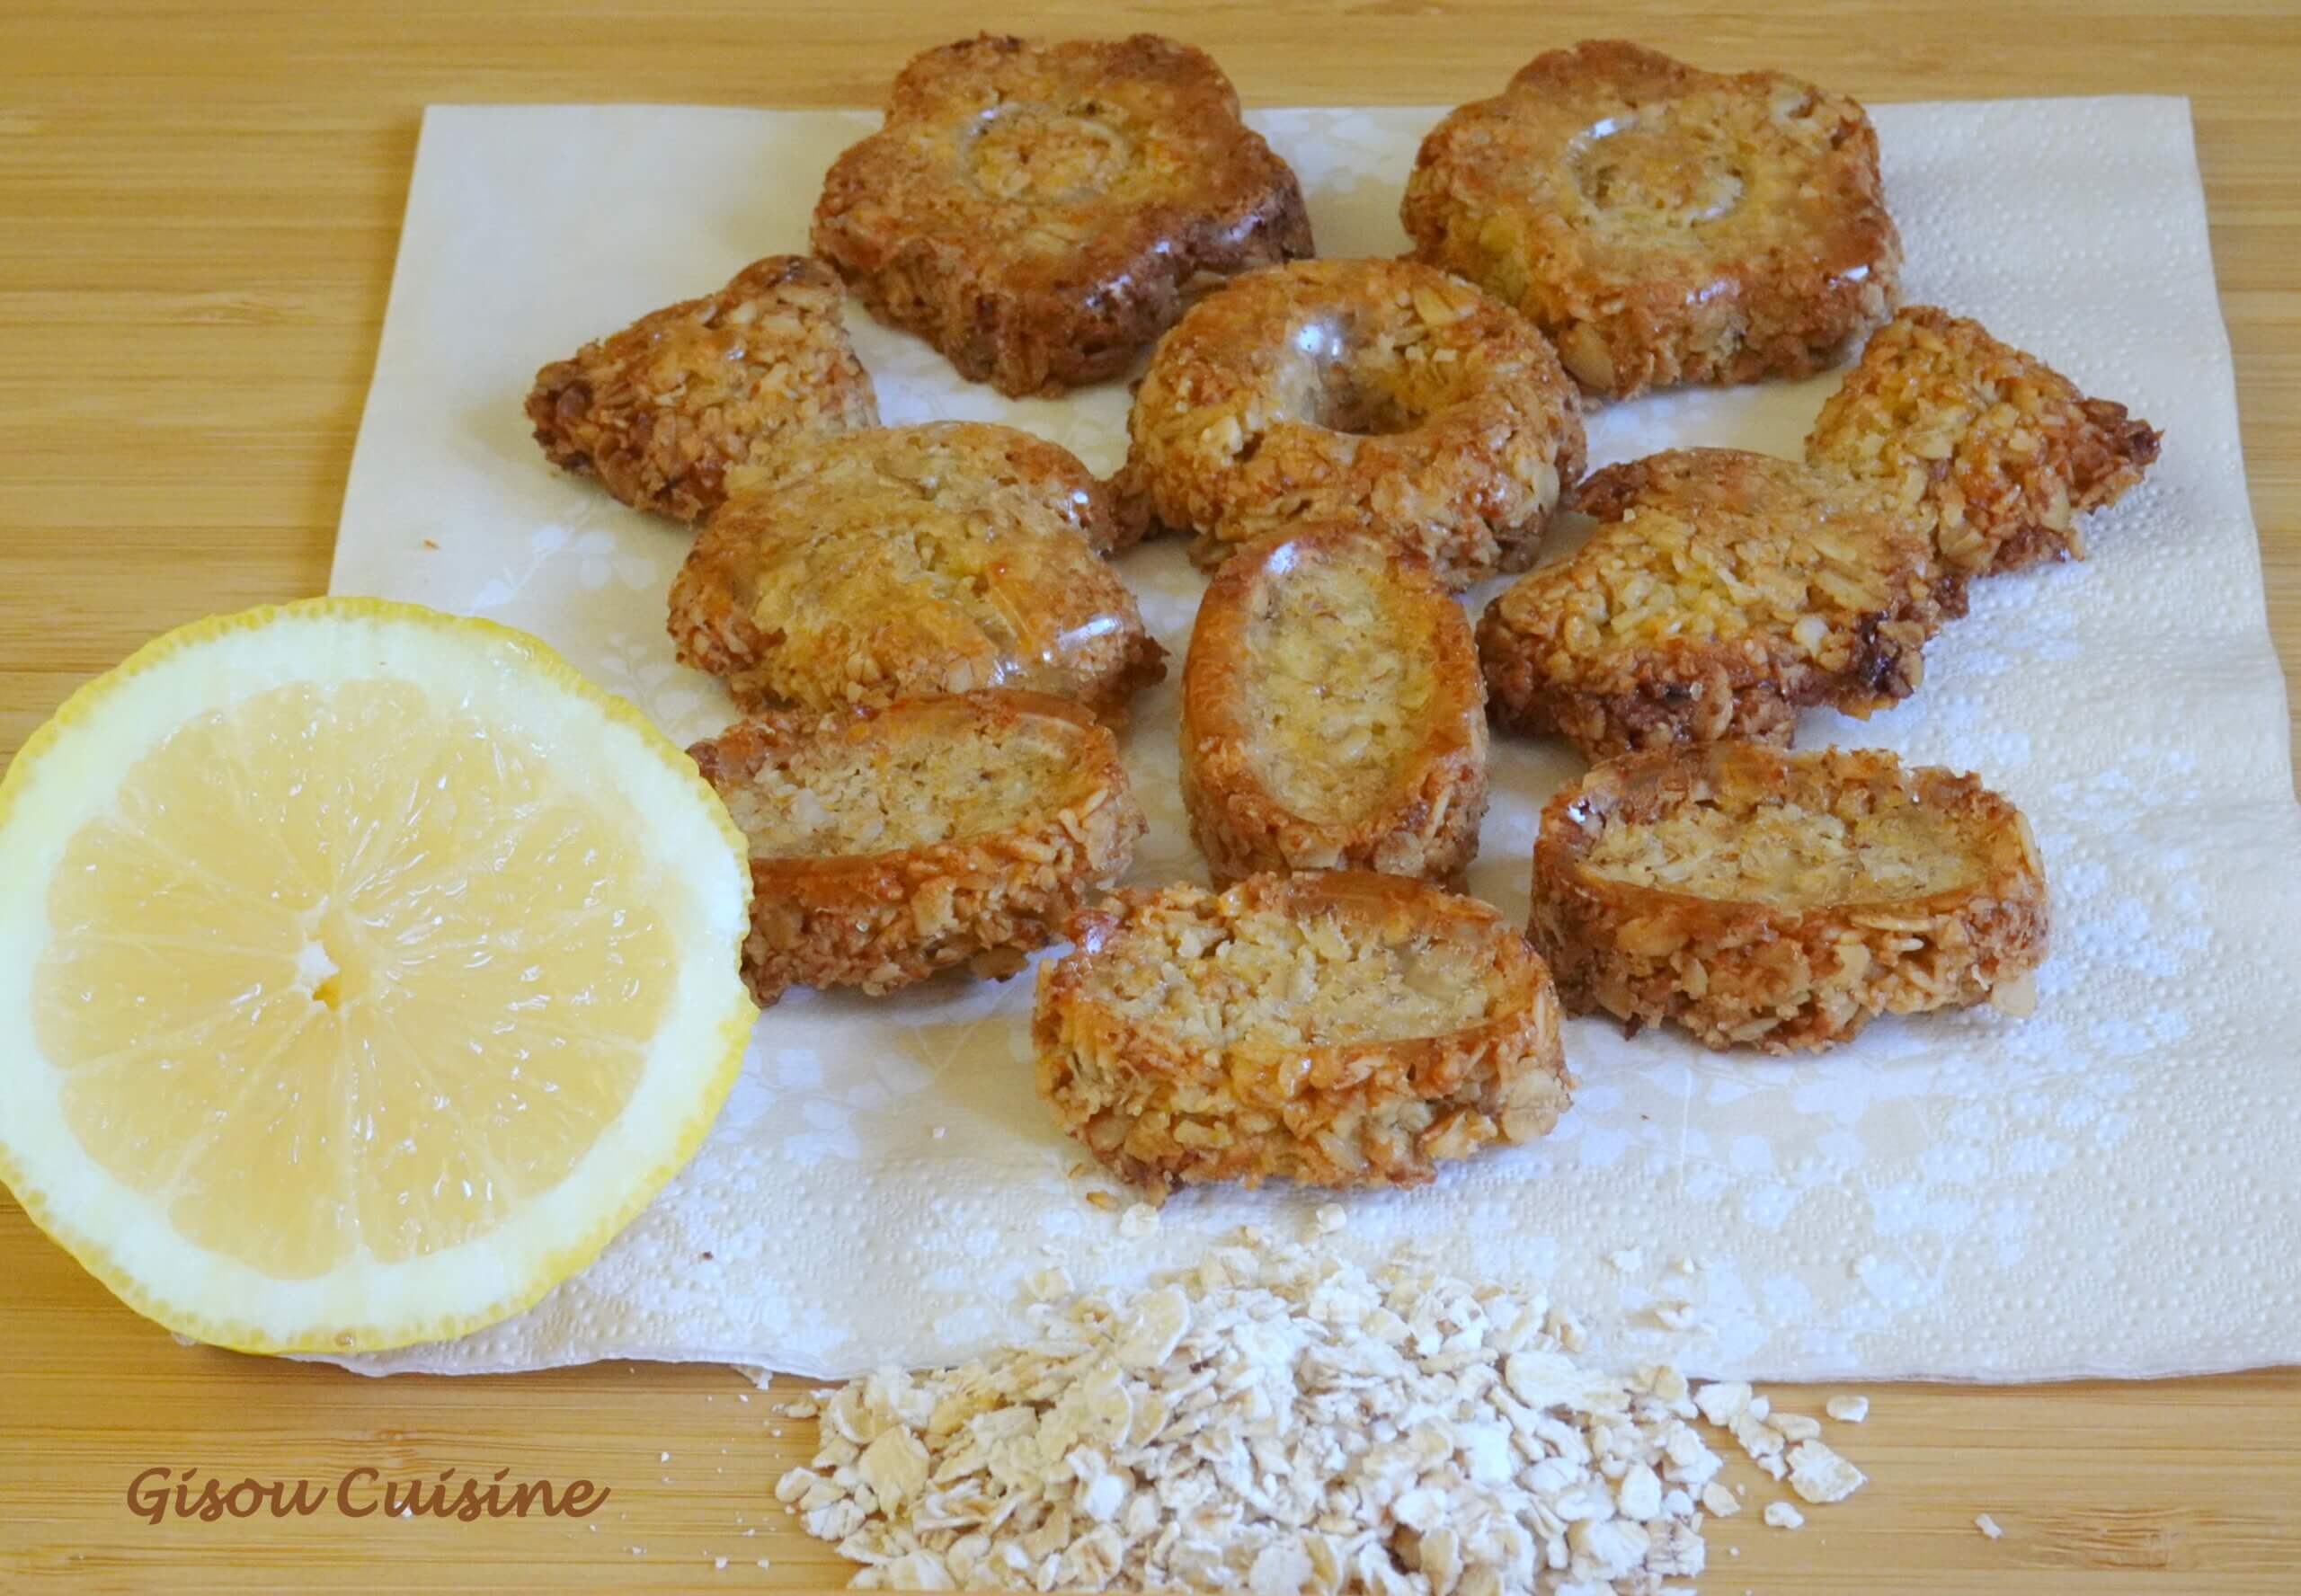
(1663, 224)
(1034, 210)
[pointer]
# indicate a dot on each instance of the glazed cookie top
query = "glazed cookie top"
(1280, 963)
(1336, 671)
(1075, 164)
(1705, 828)
(1610, 180)
(938, 558)
(1389, 392)
(908, 776)
(1719, 545)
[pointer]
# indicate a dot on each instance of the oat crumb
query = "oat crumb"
(1819, 1474)
(1138, 1220)
(1329, 1219)
(1781, 1515)
(1987, 1526)
(1847, 1410)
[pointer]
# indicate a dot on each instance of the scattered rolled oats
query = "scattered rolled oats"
(1847, 1410)
(1782, 1516)
(1271, 1420)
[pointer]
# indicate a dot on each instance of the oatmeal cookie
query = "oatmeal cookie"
(888, 844)
(1721, 593)
(1035, 211)
(1333, 715)
(1663, 224)
(1379, 391)
(901, 562)
(659, 412)
(1781, 900)
(1996, 453)
(1338, 1029)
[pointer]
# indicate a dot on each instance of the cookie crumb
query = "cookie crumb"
(1987, 1526)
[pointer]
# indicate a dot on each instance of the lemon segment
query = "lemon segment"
(362, 971)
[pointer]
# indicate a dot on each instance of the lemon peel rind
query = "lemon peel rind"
(549, 1269)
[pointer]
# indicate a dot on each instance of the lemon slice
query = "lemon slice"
(363, 969)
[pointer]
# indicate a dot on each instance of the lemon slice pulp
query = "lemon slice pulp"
(362, 972)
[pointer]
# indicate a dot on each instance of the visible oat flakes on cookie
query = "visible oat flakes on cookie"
(661, 410)
(1661, 223)
(1036, 211)
(1992, 451)
(1721, 593)
(899, 561)
(1386, 393)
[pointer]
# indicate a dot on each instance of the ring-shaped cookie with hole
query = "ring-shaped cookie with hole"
(1663, 224)
(1384, 393)
(1034, 210)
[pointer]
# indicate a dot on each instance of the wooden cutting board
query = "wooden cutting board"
(198, 213)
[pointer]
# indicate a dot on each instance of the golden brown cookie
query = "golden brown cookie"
(659, 412)
(903, 562)
(1034, 210)
(889, 844)
(1663, 224)
(1721, 592)
(1781, 900)
(1338, 1029)
(1333, 714)
(1384, 392)
(1991, 449)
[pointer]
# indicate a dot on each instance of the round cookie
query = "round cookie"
(1661, 223)
(1034, 210)
(1385, 392)
(895, 562)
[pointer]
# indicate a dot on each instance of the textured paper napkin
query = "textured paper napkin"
(2110, 1187)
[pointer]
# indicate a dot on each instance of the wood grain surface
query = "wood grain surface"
(199, 205)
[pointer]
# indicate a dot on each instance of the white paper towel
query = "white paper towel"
(2112, 1186)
